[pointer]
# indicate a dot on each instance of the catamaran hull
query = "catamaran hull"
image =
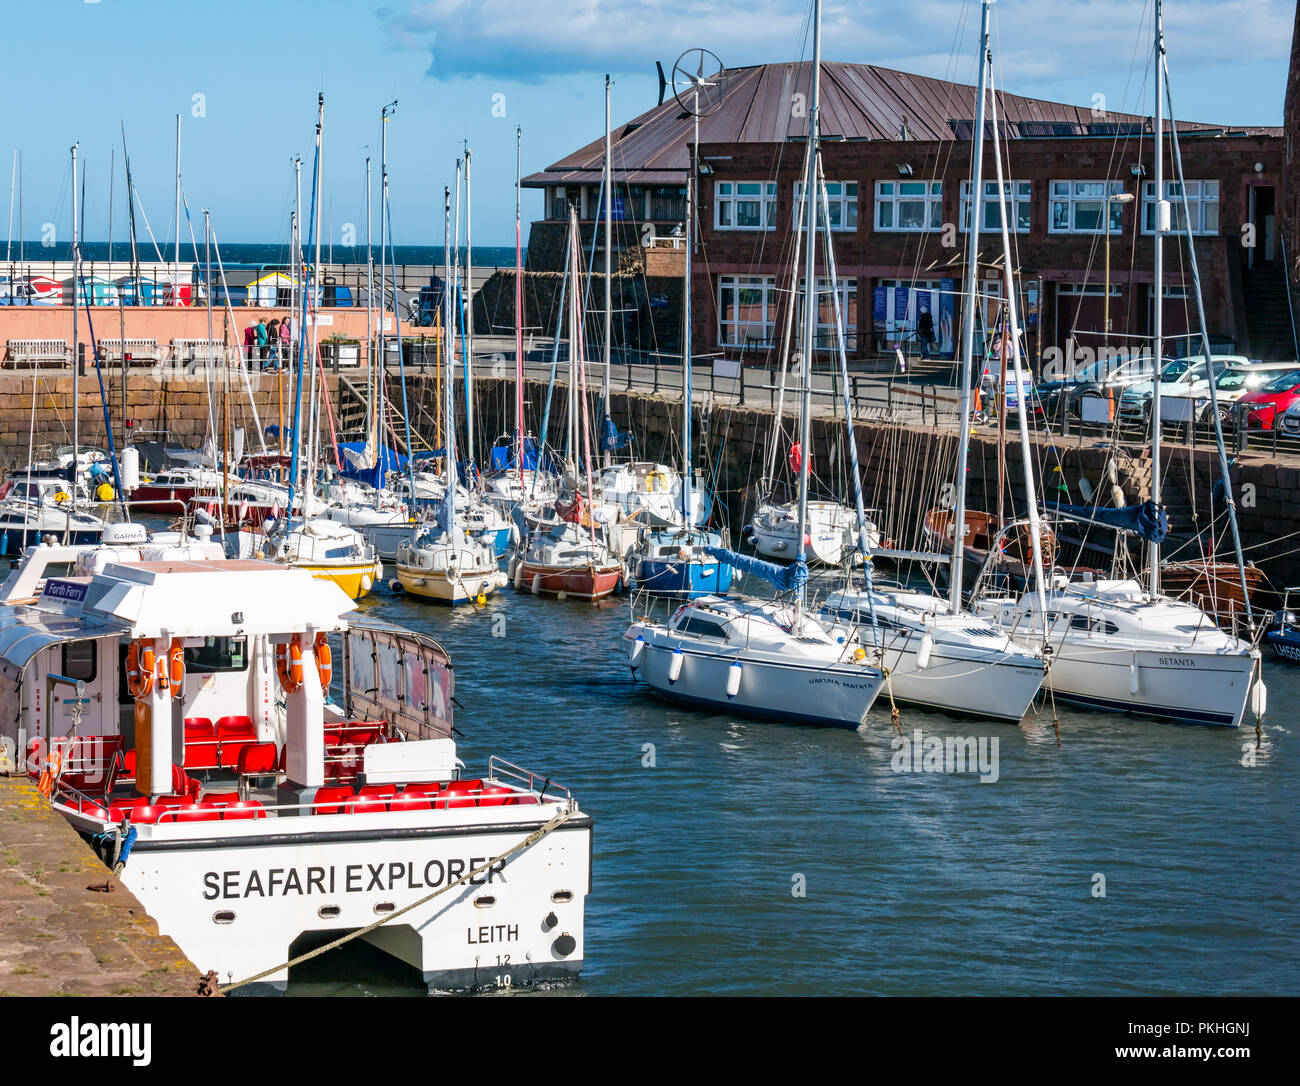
(582, 582)
(1188, 687)
(237, 905)
(839, 695)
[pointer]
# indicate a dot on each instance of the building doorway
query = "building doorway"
(1262, 214)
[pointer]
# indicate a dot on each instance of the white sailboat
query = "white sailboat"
(939, 655)
(1120, 644)
(760, 657)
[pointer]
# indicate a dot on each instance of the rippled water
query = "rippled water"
(916, 884)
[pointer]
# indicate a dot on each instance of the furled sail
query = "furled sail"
(783, 578)
(1148, 520)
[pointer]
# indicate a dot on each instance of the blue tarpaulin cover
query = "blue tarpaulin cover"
(610, 438)
(503, 456)
(388, 460)
(1148, 520)
(783, 578)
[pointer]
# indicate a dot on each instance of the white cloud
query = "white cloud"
(1036, 40)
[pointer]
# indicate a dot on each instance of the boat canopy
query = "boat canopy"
(352, 454)
(783, 578)
(398, 675)
(1148, 520)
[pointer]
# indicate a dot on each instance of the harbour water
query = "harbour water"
(913, 883)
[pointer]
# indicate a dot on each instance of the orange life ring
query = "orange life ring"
(288, 664)
(139, 669)
(53, 767)
(176, 663)
(324, 661)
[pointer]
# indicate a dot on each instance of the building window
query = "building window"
(561, 200)
(1018, 207)
(746, 310)
(909, 205)
(744, 205)
(1076, 207)
(1202, 201)
(824, 334)
(841, 201)
(668, 203)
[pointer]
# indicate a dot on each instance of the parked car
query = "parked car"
(1181, 377)
(1263, 410)
(1235, 383)
(1099, 378)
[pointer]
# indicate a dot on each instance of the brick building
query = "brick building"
(896, 150)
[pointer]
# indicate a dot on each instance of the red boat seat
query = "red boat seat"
(196, 812)
(497, 797)
(234, 733)
(385, 791)
(201, 755)
(244, 808)
(127, 775)
(172, 802)
(199, 727)
(145, 814)
(330, 800)
(183, 784)
(410, 801)
(258, 759)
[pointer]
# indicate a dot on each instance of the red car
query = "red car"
(1263, 410)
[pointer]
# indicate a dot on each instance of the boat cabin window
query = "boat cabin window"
(79, 659)
(1079, 622)
(218, 654)
(702, 627)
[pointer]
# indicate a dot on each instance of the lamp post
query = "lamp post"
(1119, 198)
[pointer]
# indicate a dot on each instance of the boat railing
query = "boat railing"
(499, 768)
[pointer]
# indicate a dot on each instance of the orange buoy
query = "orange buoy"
(139, 669)
(288, 664)
(324, 661)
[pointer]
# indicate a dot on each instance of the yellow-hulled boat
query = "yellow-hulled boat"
(330, 551)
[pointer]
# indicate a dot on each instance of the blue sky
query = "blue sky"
(258, 64)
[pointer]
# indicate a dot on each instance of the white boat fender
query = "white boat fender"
(924, 650)
(634, 652)
(675, 666)
(537, 583)
(1134, 678)
(1259, 698)
(733, 679)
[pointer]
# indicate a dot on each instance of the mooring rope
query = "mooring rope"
(527, 842)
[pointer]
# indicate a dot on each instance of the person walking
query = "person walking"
(259, 331)
(925, 332)
(273, 343)
(250, 344)
(286, 341)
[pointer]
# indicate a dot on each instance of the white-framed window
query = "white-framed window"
(1202, 201)
(909, 205)
(746, 310)
(841, 201)
(1019, 206)
(1078, 207)
(824, 338)
(744, 205)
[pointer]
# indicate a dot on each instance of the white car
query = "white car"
(1180, 378)
(1234, 383)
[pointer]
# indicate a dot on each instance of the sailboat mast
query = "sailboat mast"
(810, 296)
(176, 264)
(519, 309)
(374, 381)
(609, 249)
(1158, 324)
(13, 181)
(972, 302)
(470, 449)
(76, 287)
(688, 394)
(384, 114)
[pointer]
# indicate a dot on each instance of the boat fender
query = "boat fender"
(288, 665)
(1134, 678)
(733, 679)
(1259, 698)
(675, 666)
(634, 651)
(924, 650)
(139, 669)
(395, 587)
(519, 576)
(366, 583)
(324, 661)
(537, 583)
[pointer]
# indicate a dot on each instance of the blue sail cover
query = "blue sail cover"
(1148, 520)
(388, 460)
(610, 438)
(502, 457)
(783, 578)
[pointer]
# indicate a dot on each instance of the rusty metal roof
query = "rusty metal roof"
(859, 102)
